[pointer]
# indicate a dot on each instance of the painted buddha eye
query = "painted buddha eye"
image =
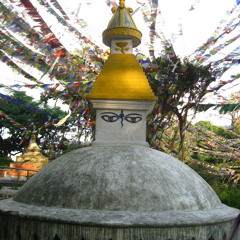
(133, 117)
(109, 117)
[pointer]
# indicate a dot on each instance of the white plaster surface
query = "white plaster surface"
(121, 131)
(128, 49)
(123, 104)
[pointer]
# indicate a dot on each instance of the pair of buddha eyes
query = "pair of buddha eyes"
(113, 117)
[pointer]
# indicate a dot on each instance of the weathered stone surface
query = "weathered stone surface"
(220, 214)
(119, 178)
(7, 192)
(24, 220)
(116, 192)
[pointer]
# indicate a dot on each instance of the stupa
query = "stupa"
(119, 188)
(31, 159)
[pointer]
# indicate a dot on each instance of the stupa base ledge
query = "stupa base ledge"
(218, 215)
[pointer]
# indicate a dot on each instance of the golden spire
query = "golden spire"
(122, 3)
(122, 26)
(122, 78)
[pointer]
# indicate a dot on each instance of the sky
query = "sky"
(187, 23)
(196, 25)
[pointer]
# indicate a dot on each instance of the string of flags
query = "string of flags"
(149, 15)
(12, 121)
(220, 171)
(225, 150)
(84, 126)
(52, 86)
(221, 147)
(225, 27)
(35, 44)
(13, 100)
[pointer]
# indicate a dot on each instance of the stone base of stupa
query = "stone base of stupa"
(34, 222)
(119, 193)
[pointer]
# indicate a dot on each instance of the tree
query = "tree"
(21, 117)
(216, 152)
(180, 86)
(73, 70)
(232, 107)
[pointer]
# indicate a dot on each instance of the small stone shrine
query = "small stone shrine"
(31, 159)
(119, 188)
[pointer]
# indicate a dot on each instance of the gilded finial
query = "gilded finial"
(122, 26)
(122, 3)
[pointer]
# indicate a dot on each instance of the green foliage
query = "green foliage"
(204, 173)
(228, 193)
(11, 144)
(205, 124)
(228, 196)
(179, 86)
(228, 107)
(236, 127)
(16, 139)
(21, 113)
(216, 159)
(205, 157)
(232, 107)
(5, 161)
(220, 131)
(215, 144)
